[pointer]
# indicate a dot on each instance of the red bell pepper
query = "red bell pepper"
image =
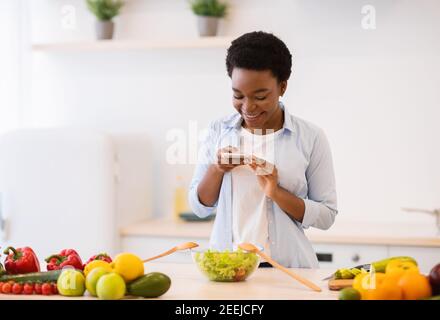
(21, 260)
(101, 256)
(67, 257)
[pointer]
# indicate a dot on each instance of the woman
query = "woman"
(288, 182)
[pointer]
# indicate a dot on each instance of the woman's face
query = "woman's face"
(255, 97)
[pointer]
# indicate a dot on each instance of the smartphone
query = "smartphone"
(234, 158)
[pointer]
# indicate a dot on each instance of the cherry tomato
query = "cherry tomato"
(28, 288)
(37, 288)
(6, 288)
(54, 288)
(17, 288)
(46, 289)
(1, 285)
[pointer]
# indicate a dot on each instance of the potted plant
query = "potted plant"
(105, 11)
(208, 13)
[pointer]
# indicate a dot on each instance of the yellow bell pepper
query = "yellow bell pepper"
(398, 268)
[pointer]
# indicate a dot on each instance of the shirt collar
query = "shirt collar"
(235, 120)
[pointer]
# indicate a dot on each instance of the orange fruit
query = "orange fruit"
(414, 286)
(367, 284)
(388, 289)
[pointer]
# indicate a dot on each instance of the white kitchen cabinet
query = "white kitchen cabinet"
(426, 257)
(153, 237)
(147, 247)
(346, 255)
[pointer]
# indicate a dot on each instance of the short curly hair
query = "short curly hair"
(259, 51)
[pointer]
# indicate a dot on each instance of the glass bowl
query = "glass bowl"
(225, 266)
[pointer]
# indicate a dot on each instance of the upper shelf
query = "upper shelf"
(123, 45)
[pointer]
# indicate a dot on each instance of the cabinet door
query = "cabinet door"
(343, 256)
(426, 257)
(146, 247)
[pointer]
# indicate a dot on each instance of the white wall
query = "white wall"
(374, 92)
(10, 36)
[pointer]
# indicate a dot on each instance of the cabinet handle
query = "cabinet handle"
(355, 258)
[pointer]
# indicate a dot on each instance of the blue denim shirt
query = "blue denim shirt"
(305, 168)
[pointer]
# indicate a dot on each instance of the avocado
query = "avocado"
(150, 285)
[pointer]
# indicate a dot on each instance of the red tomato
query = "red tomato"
(46, 289)
(6, 288)
(1, 285)
(54, 288)
(28, 288)
(17, 288)
(37, 288)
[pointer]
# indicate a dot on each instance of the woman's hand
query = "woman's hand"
(225, 165)
(269, 180)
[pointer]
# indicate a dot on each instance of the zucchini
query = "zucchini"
(33, 277)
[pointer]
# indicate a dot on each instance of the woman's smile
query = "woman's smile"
(253, 117)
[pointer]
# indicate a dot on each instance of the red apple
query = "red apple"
(434, 279)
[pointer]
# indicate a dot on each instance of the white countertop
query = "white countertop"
(342, 233)
(187, 283)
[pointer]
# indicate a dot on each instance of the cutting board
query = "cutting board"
(339, 284)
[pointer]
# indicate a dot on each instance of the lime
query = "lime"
(349, 294)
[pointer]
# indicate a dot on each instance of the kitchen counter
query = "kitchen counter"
(340, 233)
(264, 284)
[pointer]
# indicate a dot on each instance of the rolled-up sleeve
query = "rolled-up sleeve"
(321, 202)
(205, 158)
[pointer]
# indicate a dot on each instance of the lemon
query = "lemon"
(96, 263)
(128, 266)
(349, 294)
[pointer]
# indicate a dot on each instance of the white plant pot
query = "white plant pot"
(104, 29)
(207, 26)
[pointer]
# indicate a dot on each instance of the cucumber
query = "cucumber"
(33, 277)
(150, 285)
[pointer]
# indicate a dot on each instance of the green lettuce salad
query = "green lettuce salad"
(226, 265)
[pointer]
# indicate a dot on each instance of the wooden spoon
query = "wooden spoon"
(182, 246)
(251, 248)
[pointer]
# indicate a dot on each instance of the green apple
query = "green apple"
(110, 286)
(71, 283)
(93, 277)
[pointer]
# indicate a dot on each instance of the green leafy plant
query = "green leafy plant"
(209, 8)
(105, 10)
